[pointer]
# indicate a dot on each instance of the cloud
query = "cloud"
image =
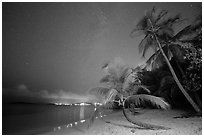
(44, 93)
(59, 95)
(20, 90)
(22, 87)
(62, 94)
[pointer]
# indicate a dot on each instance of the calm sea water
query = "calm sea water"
(39, 118)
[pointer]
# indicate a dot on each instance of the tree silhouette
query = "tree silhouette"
(158, 31)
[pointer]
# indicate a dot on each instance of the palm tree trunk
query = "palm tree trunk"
(197, 98)
(197, 109)
(141, 124)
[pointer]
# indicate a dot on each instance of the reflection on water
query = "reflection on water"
(39, 118)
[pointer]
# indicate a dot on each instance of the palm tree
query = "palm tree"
(119, 78)
(157, 31)
(116, 81)
(175, 48)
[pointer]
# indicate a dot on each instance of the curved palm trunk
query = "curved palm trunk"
(174, 75)
(141, 124)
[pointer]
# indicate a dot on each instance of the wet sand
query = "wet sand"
(116, 124)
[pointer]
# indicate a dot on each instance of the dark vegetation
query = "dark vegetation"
(184, 52)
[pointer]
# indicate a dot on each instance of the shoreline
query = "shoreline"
(116, 124)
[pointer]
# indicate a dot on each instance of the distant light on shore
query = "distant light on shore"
(82, 104)
(60, 104)
(77, 104)
(82, 121)
(96, 103)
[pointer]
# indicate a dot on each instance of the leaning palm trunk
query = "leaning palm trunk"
(156, 101)
(173, 73)
(141, 124)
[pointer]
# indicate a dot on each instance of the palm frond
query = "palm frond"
(153, 57)
(124, 74)
(142, 43)
(142, 24)
(105, 65)
(141, 27)
(136, 32)
(171, 21)
(145, 88)
(118, 72)
(104, 94)
(111, 95)
(188, 31)
(99, 92)
(184, 31)
(152, 12)
(142, 99)
(156, 60)
(137, 90)
(146, 43)
(106, 79)
(161, 15)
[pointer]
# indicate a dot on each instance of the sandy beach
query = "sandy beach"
(116, 124)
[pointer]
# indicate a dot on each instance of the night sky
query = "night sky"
(56, 50)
